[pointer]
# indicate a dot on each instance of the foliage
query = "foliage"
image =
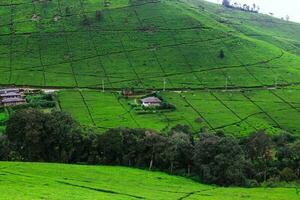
(32, 135)
(221, 160)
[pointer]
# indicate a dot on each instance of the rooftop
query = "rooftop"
(7, 90)
(10, 94)
(12, 100)
(151, 100)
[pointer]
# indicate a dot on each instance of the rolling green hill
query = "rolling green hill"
(57, 181)
(263, 27)
(152, 44)
(139, 43)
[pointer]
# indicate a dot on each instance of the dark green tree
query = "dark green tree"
(179, 151)
(4, 148)
(259, 149)
(220, 160)
(39, 136)
(222, 54)
(226, 3)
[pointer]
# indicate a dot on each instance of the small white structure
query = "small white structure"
(9, 90)
(13, 101)
(10, 95)
(151, 102)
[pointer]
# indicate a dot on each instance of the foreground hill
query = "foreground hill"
(137, 43)
(57, 181)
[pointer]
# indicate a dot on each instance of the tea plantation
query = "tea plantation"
(216, 68)
(153, 45)
(141, 44)
(235, 112)
(58, 181)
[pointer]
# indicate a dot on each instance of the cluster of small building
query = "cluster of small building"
(11, 97)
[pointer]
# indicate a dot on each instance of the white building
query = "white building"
(151, 102)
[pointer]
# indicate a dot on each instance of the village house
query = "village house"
(11, 97)
(9, 90)
(151, 102)
(13, 101)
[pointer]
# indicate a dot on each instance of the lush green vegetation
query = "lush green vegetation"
(58, 181)
(3, 118)
(190, 46)
(32, 135)
(262, 27)
(150, 45)
(235, 112)
(139, 44)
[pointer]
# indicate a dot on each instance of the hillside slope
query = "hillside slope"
(56, 181)
(136, 43)
(263, 27)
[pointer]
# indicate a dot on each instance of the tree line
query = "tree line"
(215, 158)
(244, 7)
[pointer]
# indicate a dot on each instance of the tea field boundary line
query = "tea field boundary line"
(99, 190)
(194, 192)
(162, 69)
(226, 106)
(161, 29)
(214, 59)
(199, 113)
(126, 110)
(39, 46)
(179, 50)
(67, 44)
(169, 74)
(283, 100)
(128, 57)
(110, 53)
(87, 108)
(11, 42)
(239, 122)
(95, 49)
(153, 51)
(242, 64)
(262, 110)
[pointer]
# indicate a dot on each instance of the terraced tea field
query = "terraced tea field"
(61, 43)
(155, 44)
(236, 112)
(56, 181)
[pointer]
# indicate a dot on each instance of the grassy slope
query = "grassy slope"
(133, 46)
(238, 113)
(263, 27)
(57, 181)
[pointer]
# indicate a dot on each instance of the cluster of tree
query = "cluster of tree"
(244, 7)
(211, 158)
